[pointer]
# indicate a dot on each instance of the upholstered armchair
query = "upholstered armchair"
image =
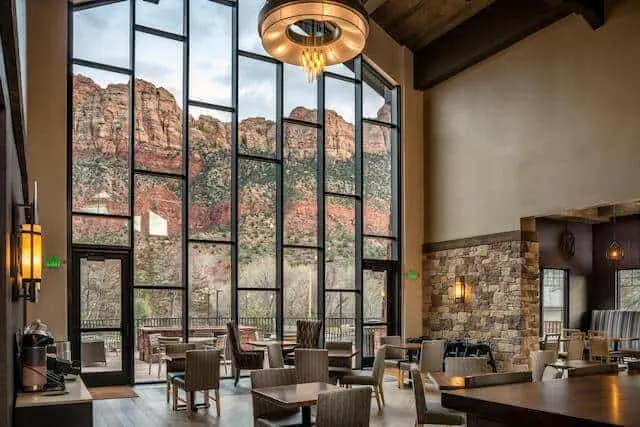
(372, 378)
(175, 367)
(266, 413)
(312, 365)
(424, 415)
(345, 408)
(242, 359)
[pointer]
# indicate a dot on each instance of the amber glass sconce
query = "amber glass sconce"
(460, 289)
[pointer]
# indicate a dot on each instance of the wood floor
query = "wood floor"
(151, 408)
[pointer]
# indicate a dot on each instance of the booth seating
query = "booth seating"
(618, 324)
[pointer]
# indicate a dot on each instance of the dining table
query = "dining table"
(265, 343)
(302, 396)
(409, 347)
(444, 381)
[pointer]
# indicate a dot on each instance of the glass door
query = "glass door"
(100, 330)
(380, 306)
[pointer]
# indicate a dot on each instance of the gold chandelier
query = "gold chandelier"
(313, 33)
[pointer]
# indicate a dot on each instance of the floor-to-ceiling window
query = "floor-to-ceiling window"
(241, 191)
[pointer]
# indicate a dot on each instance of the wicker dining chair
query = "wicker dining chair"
(265, 412)
(312, 365)
(597, 333)
(344, 408)
(202, 373)
(394, 356)
(371, 378)
(575, 347)
(175, 367)
(242, 359)
(424, 415)
(599, 349)
(274, 354)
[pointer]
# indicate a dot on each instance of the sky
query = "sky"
(101, 35)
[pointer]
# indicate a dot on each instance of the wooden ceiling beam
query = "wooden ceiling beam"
(496, 27)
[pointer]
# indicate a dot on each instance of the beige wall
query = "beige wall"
(47, 25)
(46, 148)
(397, 63)
(550, 123)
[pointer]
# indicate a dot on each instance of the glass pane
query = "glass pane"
(629, 289)
(300, 185)
(340, 243)
(371, 339)
(100, 145)
(340, 316)
(340, 136)
(209, 284)
(300, 96)
(101, 34)
(162, 15)
(156, 311)
(377, 180)
(209, 174)
(158, 130)
(374, 294)
(377, 97)
(300, 283)
(100, 352)
(553, 300)
(257, 309)
(249, 38)
(378, 248)
(344, 69)
(257, 224)
(256, 107)
(100, 293)
(210, 52)
(158, 231)
(95, 230)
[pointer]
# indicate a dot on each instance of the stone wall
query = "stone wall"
(501, 304)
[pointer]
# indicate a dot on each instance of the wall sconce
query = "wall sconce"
(459, 289)
(30, 254)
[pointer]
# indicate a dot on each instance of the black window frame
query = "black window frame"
(565, 298)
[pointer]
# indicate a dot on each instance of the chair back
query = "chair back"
(418, 394)
(539, 359)
(339, 346)
(270, 378)
(177, 365)
(575, 346)
(312, 365)
(345, 408)
(154, 340)
(605, 369)
(393, 353)
(274, 353)
(378, 365)
(432, 355)
(202, 371)
(464, 366)
(552, 342)
(597, 333)
(568, 333)
(491, 379)
(633, 366)
(598, 348)
(308, 333)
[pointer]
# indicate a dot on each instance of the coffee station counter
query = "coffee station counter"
(73, 408)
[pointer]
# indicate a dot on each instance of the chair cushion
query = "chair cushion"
(442, 416)
(359, 378)
(393, 363)
(172, 375)
(179, 380)
(287, 421)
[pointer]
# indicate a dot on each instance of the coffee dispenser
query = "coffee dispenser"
(33, 359)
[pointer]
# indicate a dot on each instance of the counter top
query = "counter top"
(76, 392)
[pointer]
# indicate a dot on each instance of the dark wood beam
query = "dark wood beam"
(496, 27)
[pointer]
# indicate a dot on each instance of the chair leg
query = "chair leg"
(400, 378)
(374, 390)
(190, 396)
(168, 390)
(159, 368)
(237, 377)
(218, 402)
(175, 398)
(382, 395)
(206, 399)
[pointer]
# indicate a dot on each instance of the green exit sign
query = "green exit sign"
(53, 261)
(412, 274)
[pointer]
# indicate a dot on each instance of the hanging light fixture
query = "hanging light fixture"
(614, 251)
(313, 33)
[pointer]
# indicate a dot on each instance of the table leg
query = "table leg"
(306, 416)
(616, 345)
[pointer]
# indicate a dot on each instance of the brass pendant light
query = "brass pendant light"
(614, 251)
(313, 33)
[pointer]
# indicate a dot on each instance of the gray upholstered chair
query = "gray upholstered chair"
(464, 366)
(307, 336)
(266, 413)
(202, 373)
(344, 408)
(242, 359)
(605, 369)
(432, 355)
(312, 365)
(491, 379)
(424, 415)
(339, 367)
(175, 367)
(274, 354)
(394, 356)
(371, 378)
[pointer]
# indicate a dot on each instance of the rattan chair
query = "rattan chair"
(599, 349)
(312, 365)
(202, 373)
(242, 359)
(605, 369)
(344, 408)
(575, 347)
(464, 366)
(274, 354)
(424, 415)
(175, 367)
(266, 413)
(371, 378)
(597, 333)
(491, 379)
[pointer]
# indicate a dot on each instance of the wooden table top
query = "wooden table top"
(181, 356)
(265, 343)
(75, 392)
(295, 395)
(444, 381)
(598, 400)
(342, 354)
(406, 346)
(572, 364)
